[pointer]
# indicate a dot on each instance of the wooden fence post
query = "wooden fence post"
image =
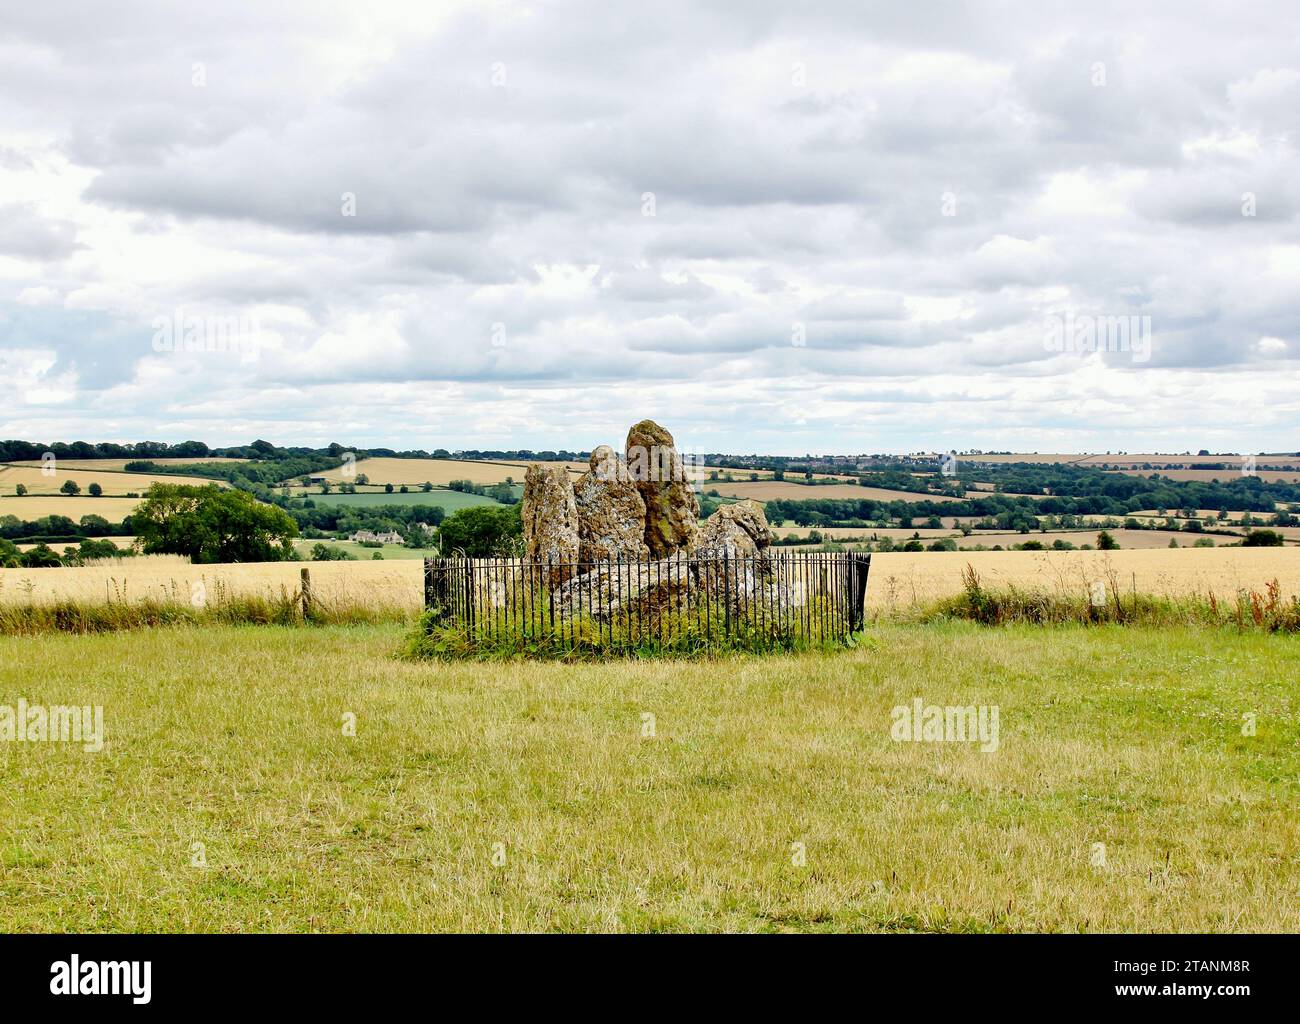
(306, 594)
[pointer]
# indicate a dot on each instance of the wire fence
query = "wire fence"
(772, 599)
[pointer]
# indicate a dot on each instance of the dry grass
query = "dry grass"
(232, 737)
(121, 542)
(378, 585)
(905, 580)
(1226, 476)
(899, 581)
(36, 506)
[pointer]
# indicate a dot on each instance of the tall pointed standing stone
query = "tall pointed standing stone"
(611, 513)
(672, 510)
(550, 519)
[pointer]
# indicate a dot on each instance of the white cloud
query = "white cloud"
(799, 159)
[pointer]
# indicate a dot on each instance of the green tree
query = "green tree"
(1262, 539)
(328, 553)
(388, 488)
(1105, 542)
(41, 557)
(70, 487)
(95, 490)
(213, 525)
(22, 489)
(482, 530)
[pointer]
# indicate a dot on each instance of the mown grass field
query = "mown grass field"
(527, 797)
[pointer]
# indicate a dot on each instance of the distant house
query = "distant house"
(316, 479)
(366, 536)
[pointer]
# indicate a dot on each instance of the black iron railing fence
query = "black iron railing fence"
(778, 599)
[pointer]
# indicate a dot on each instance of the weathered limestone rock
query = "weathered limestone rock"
(636, 594)
(550, 517)
(672, 510)
(611, 512)
(735, 531)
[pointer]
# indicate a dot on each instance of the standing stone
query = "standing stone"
(672, 510)
(550, 519)
(735, 531)
(611, 512)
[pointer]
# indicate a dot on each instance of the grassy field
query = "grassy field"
(1122, 795)
(31, 507)
(448, 500)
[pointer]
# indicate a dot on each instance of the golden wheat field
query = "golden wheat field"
(114, 483)
(898, 580)
(119, 465)
(1284, 461)
(784, 490)
(440, 472)
(377, 584)
(1222, 475)
(36, 506)
(120, 542)
(1136, 539)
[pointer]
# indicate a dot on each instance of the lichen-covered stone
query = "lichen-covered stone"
(611, 513)
(550, 520)
(735, 531)
(672, 510)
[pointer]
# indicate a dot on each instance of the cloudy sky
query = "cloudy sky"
(772, 226)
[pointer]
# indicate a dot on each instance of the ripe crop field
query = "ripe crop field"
(121, 542)
(449, 501)
(769, 796)
(766, 490)
(1222, 475)
(31, 507)
(439, 472)
(898, 581)
(114, 483)
(1284, 461)
(384, 585)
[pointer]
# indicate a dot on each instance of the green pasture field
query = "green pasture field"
(1125, 793)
